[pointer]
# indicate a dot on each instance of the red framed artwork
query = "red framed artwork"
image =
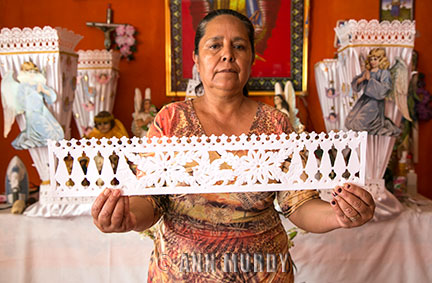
(281, 31)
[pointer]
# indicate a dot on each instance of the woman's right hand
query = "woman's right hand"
(111, 212)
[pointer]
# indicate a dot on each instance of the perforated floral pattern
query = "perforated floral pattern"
(207, 164)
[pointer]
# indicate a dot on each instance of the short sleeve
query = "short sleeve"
(289, 201)
(156, 129)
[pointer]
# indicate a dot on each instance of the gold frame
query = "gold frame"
(300, 85)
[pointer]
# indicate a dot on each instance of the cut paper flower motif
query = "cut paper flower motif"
(161, 169)
(214, 164)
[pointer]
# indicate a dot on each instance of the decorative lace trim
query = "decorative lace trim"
(38, 39)
(141, 166)
(89, 59)
(376, 33)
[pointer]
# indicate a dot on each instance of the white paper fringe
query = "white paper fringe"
(206, 164)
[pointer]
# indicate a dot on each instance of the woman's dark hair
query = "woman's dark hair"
(210, 16)
(200, 31)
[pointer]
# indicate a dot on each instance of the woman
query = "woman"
(368, 111)
(198, 227)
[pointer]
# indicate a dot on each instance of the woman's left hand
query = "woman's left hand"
(353, 205)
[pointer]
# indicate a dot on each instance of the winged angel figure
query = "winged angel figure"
(144, 113)
(286, 103)
(379, 82)
(27, 97)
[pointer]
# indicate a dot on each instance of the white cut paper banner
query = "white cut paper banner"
(215, 164)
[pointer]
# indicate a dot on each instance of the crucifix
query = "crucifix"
(108, 27)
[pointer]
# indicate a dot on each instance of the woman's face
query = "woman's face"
(225, 56)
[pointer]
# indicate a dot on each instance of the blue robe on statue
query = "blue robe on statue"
(368, 111)
(40, 123)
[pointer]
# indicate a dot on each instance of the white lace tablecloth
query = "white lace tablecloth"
(394, 250)
(73, 250)
(46, 250)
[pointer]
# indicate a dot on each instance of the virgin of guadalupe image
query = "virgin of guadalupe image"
(262, 13)
(28, 97)
(368, 111)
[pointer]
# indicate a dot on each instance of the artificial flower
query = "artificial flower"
(125, 41)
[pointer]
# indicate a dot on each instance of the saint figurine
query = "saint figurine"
(286, 103)
(17, 184)
(368, 111)
(106, 126)
(144, 113)
(28, 97)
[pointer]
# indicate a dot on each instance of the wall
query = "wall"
(148, 70)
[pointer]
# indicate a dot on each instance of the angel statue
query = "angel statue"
(367, 113)
(144, 113)
(27, 97)
(286, 103)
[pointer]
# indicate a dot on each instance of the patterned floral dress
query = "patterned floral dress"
(221, 237)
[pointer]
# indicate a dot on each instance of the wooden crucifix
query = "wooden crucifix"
(108, 27)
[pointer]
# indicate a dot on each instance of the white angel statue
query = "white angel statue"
(27, 97)
(144, 113)
(286, 103)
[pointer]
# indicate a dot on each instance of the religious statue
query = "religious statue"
(194, 86)
(17, 185)
(285, 102)
(107, 28)
(28, 97)
(376, 83)
(124, 35)
(144, 113)
(106, 126)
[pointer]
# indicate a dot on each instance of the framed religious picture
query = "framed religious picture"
(281, 41)
(401, 10)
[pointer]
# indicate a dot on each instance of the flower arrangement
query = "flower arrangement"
(125, 40)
